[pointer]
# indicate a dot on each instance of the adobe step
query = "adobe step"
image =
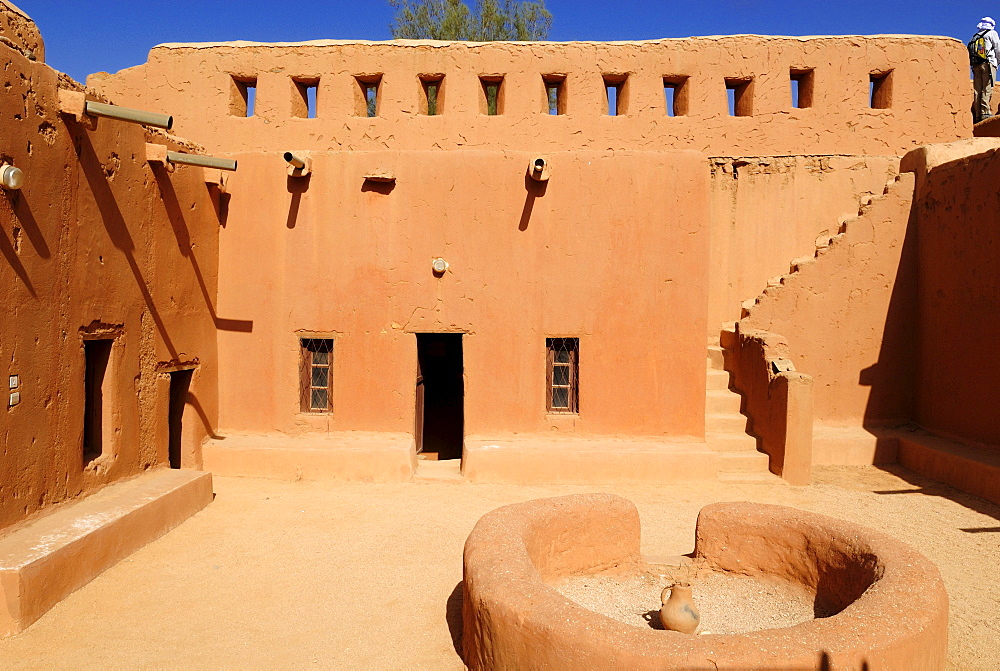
(448, 471)
(717, 379)
(765, 478)
(731, 442)
(725, 423)
(743, 462)
(716, 358)
(719, 401)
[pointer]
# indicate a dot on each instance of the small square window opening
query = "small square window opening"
(880, 90)
(305, 98)
(801, 81)
(740, 96)
(675, 93)
(616, 88)
(555, 98)
(316, 381)
(433, 94)
(368, 94)
(491, 102)
(243, 95)
(562, 375)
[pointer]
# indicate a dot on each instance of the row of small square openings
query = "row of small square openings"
(739, 91)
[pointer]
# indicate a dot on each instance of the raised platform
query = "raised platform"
(975, 470)
(46, 561)
(343, 455)
(852, 446)
(546, 459)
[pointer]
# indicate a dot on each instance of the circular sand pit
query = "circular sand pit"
(529, 568)
(729, 603)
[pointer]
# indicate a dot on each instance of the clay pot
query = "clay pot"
(678, 612)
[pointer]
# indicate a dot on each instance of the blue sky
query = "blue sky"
(85, 37)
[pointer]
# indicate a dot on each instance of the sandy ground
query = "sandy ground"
(324, 575)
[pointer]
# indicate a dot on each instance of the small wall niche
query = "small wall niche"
(366, 99)
(740, 95)
(98, 410)
(555, 94)
(243, 96)
(616, 87)
(492, 100)
(675, 94)
(432, 103)
(801, 82)
(305, 95)
(880, 90)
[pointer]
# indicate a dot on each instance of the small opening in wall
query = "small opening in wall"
(97, 396)
(740, 95)
(562, 375)
(555, 97)
(801, 81)
(615, 86)
(305, 97)
(367, 101)
(243, 96)
(433, 86)
(491, 102)
(315, 379)
(675, 93)
(180, 383)
(880, 90)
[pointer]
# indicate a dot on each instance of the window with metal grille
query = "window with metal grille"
(316, 383)
(562, 384)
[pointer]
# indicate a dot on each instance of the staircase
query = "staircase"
(726, 429)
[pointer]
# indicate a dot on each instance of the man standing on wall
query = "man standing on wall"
(984, 48)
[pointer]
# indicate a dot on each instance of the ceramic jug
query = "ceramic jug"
(678, 612)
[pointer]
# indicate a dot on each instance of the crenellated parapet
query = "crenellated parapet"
(734, 95)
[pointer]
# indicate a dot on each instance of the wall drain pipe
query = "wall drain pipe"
(164, 121)
(203, 161)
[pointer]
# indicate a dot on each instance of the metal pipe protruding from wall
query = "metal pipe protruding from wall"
(294, 161)
(538, 169)
(203, 161)
(299, 163)
(10, 177)
(164, 121)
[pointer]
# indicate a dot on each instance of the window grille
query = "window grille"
(562, 379)
(316, 383)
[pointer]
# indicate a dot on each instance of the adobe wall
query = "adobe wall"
(848, 312)
(96, 244)
(19, 31)
(768, 210)
(959, 291)
(195, 83)
(614, 251)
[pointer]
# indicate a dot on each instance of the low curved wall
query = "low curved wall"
(894, 606)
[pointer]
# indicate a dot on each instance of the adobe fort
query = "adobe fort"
(715, 259)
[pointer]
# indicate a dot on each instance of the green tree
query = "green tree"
(491, 20)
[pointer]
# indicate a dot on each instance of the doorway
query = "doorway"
(439, 428)
(180, 382)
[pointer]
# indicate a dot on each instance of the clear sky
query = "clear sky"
(85, 36)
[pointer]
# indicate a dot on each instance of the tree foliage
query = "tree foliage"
(491, 20)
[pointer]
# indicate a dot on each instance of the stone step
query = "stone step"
(716, 358)
(731, 442)
(743, 462)
(47, 560)
(722, 401)
(717, 379)
(725, 423)
(438, 472)
(765, 478)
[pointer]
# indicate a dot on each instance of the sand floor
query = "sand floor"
(361, 576)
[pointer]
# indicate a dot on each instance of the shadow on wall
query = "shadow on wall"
(535, 190)
(296, 186)
(176, 216)
(114, 221)
(9, 248)
(893, 377)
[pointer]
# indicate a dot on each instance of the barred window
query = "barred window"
(315, 381)
(562, 379)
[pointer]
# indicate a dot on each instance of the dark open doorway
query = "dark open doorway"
(440, 412)
(180, 382)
